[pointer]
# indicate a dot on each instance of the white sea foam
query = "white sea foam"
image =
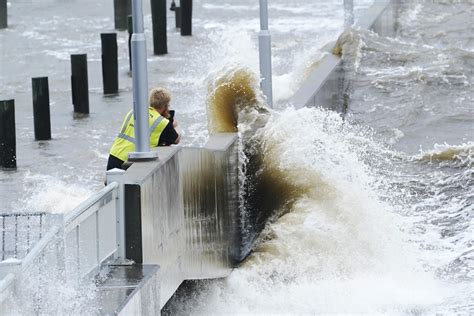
(463, 153)
(49, 194)
(339, 249)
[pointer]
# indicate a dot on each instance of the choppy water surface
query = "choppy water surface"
(375, 225)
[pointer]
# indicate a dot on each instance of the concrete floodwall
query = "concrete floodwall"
(181, 212)
(327, 86)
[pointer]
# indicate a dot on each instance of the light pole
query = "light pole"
(348, 13)
(265, 54)
(140, 88)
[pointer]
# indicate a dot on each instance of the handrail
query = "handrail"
(22, 214)
(40, 246)
(84, 206)
(5, 284)
(24, 263)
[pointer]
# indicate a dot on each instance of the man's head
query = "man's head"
(160, 100)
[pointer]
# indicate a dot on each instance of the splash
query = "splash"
(235, 104)
(46, 287)
(457, 154)
(349, 46)
(233, 92)
(334, 246)
(52, 195)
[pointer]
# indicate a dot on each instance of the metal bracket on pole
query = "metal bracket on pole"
(140, 88)
(265, 54)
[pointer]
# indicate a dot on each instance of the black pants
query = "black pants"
(114, 162)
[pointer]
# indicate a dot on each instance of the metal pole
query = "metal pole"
(348, 13)
(140, 88)
(265, 54)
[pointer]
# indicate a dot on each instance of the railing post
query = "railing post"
(116, 175)
(265, 54)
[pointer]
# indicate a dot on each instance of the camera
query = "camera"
(171, 114)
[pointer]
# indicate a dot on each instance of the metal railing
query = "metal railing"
(90, 235)
(90, 231)
(19, 232)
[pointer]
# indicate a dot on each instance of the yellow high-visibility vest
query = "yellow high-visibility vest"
(125, 141)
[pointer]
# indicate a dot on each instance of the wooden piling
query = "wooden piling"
(41, 112)
(109, 62)
(3, 14)
(177, 16)
(158, 18)
(186, 17)
(7, 135)
(79, 83)
(122, 9)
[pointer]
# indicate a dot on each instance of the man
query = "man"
(162, 129)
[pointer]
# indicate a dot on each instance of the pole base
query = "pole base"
(143, 156)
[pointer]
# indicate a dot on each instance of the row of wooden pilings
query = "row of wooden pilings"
(79, 73)
(41, 104)
(123, 8)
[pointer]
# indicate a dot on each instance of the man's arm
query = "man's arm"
(169, 135)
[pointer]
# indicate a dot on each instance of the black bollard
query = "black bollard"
(177, 15)
(7, 134)
(122, 8)
(79, 83)
(41, 115)
(158, 19)
(130, 32)
(3, 14)
(186, 17)
(109, 62)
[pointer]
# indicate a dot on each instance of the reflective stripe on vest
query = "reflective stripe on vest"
(125, 141)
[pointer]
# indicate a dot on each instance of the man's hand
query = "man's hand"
(175, 126)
